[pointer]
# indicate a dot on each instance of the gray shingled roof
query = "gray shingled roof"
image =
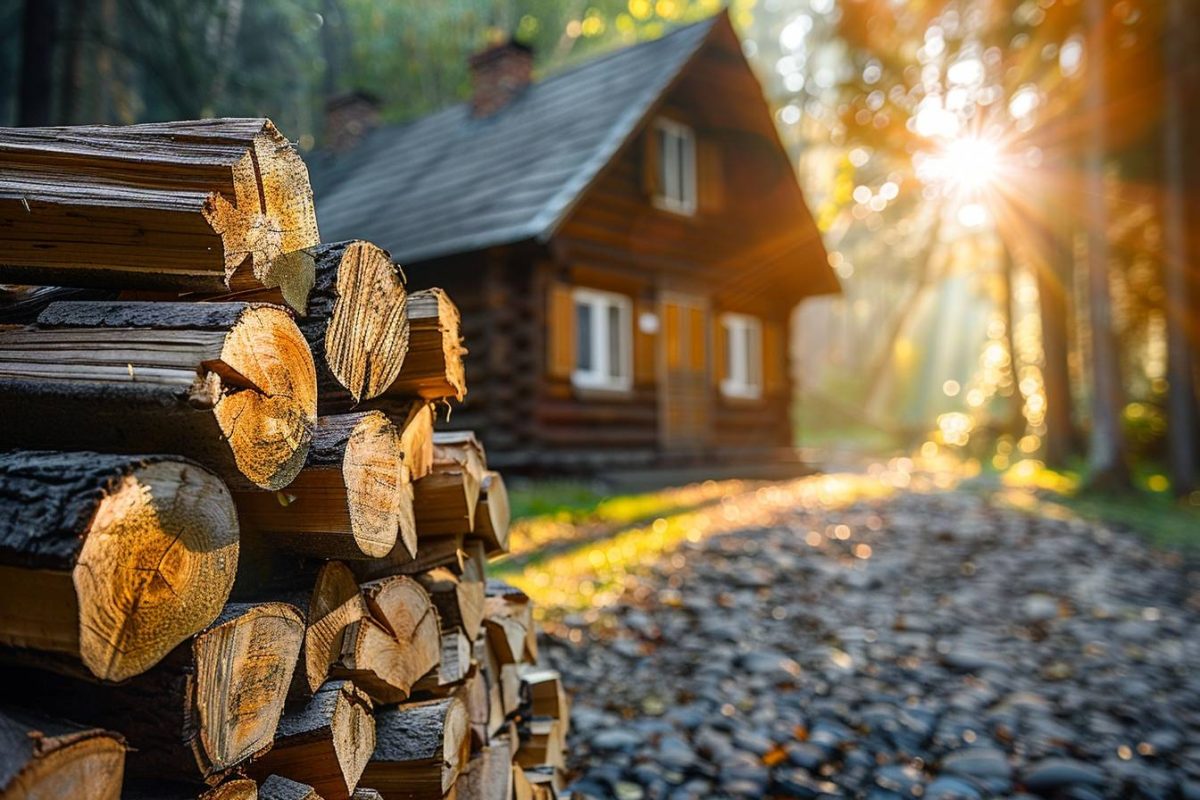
(451, 183)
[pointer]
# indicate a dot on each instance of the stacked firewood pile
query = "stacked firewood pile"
(236, 560)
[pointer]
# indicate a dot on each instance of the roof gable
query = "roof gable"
(451, 183)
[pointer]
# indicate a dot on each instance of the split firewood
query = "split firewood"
(235, 789)
(505, 601)
(522, 789)
(206, 206)
(112, 560)
(433, 366)
(459, 602)
(335, 604)
(41, 759)
(473, 562)
(490, 669)
(228, 384)
(545, 783)
(492, 514)
(326, 743)
(474, 694)
(280, 788)
(543, 743)
(416, 436)
(453, 668)
(544, 694)
(420, 749)
(389, 651)
(488, 775)
(445, 499)
(353, 499)
(209, 706)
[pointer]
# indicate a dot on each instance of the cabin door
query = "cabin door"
(684, 397)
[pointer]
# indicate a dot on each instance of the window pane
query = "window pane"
(614, 341)
(687, 170)
(730, 349)
(584, 358)
(754, 356)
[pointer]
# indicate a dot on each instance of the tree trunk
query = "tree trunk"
(1015, 424)
(433, 367)
(112, 560)
(70, 69)
(1107, 457)
(35, 84)
(1181, 390)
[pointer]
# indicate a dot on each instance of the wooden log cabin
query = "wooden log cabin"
(626, 241)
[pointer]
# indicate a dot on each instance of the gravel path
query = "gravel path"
(923, 645)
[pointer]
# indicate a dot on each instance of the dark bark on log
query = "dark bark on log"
(277, 788)
(420, 749)
(113, 560)
(45, 758)
(229, 384)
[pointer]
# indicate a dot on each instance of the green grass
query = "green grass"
(576, 502)
(1150, 510)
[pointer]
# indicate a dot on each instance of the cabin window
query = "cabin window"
(743, 356)
(676, 145)
(603, 331)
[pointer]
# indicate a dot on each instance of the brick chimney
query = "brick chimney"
(348, 118)
(498, 75)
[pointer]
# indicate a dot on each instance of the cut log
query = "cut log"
(210, 705)
(544, 695)
(325, 744)
(545, 783)
(508, 602)
(388, 652)
(488, 775)
(490, 669)
(445, 500)
(452, 669)
(433, 367)
(473, 563)
(352, 500)
(355, 323)
(112, 560)
(279, 788)
(206, 206)
(474, 694)
(42, 759)
(459, 602)
(228, 384)
(235, 789)
(522, 789)
(420, 750)
(543, 742)
(492, 514)
(416, 437)
(335, 605)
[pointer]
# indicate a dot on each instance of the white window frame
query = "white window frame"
(601, 376)
(676, 190)
(743, 357)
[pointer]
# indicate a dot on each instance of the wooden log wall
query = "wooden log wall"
(237, 561)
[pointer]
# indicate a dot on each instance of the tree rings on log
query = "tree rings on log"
(111, 559)
(42, 759)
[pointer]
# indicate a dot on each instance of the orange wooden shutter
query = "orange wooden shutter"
(720, 358)
(774, 358)
(671, 336)
(710, 175)
(644, 361)
(650, 161)
(560, 330)
(698, 336)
